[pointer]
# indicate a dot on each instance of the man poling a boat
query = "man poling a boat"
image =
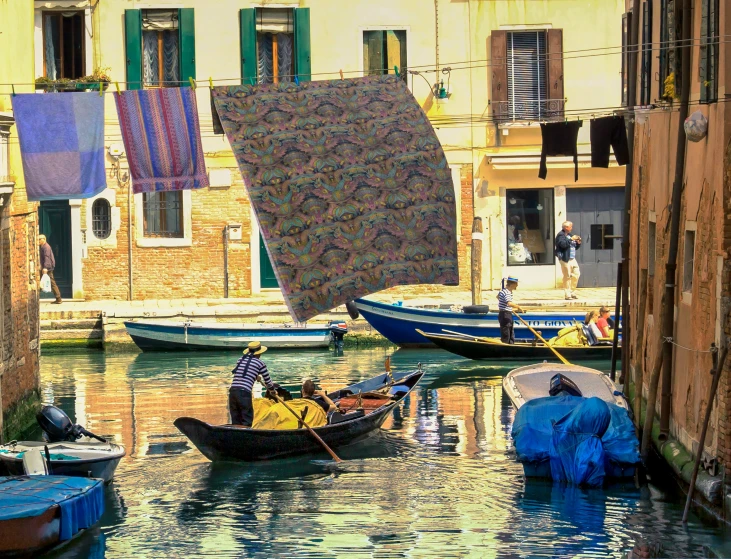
(506, 308)
(248, 368)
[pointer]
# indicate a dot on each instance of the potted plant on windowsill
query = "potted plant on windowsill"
(92, 81)
(61, 84)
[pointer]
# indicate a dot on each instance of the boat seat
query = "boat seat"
(369, 402)
(590, 337)
(34, 463)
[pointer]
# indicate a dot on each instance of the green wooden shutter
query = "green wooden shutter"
(303, 64)
(247, 38)
(186, 46)
(133, 46)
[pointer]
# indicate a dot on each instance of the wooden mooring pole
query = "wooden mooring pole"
(477, 237)
(617, 319)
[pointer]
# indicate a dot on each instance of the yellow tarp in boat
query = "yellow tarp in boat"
(272, 415)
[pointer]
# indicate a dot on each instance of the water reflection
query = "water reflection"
(439, 479)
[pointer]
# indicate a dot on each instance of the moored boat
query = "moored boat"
(378, 397)
(572, 424)
(38, 513)
(166, 335)
(479, 348)
(399, 324)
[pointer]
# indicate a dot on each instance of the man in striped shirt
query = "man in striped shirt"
(247, 370)
(505, 305)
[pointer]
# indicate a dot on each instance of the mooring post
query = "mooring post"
(477, 237)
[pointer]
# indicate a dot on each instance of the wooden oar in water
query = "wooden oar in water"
(537, 335)
(319, 439)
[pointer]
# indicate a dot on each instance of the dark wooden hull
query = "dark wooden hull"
(486, 349)
(226, 442)
(23, 537)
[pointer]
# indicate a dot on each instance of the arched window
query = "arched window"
(101, 218)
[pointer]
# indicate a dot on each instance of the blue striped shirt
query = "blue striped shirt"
(503, 298)
(247, 369)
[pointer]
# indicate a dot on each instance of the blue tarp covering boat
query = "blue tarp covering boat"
(399, 323)
(37, 512)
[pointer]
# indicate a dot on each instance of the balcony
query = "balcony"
(508, 112)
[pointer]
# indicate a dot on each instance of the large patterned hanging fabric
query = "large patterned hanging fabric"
(350, 186)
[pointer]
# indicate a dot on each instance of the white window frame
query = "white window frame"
(38, 35)
(185, 241)
(110, 195)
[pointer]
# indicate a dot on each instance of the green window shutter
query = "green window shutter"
(133, 47)
(303, 65)
(186, 44)
(247, 37)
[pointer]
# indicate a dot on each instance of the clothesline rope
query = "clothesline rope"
(669, 340)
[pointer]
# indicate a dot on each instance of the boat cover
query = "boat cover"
(534, 433)
(272, 415)
(81, 500)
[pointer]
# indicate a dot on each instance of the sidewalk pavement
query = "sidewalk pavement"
(271, 304)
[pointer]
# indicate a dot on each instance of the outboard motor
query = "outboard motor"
(337, 331)
(560, 383)
(57, 426)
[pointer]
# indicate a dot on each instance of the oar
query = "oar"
(479, 338)
(294, 413)
(537, 335)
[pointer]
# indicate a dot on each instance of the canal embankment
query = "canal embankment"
(78, 324)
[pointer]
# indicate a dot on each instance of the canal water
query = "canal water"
(439, 480)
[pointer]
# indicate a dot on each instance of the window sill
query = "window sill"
(151, 242)
(687, 297)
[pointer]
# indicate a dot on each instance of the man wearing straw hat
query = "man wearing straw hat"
(505, 309)
(247, 370)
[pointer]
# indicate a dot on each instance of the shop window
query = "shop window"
(384, 50)
(101, 218)
(63, 44)
(688, 260)
(601, 236)
(275, 45)
(160, 48)
(530, 227)
(527, 74)
(163, 214)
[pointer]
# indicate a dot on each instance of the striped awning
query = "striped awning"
(61, 4)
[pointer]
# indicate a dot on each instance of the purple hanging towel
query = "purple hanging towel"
(162, 139)
(61, 144)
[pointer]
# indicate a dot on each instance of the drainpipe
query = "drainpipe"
(671, 266)
(225, 262)
(633, 47)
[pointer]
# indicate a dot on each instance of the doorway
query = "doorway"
(267, 278)
(54, 221)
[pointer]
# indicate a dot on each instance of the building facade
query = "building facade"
(121, 245)
(701, 304)
(19, 318)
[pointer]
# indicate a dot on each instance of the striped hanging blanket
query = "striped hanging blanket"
(350, 185)
(162, 139)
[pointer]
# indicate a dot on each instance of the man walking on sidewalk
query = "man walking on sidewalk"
(566, 247)
(48, 263)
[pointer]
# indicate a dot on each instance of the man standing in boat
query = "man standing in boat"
(247, 370)
(566, 247)
(505, 310)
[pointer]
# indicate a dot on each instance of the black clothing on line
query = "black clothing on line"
(559, 138)
(217, 126)
(507, 333)
(604, 132)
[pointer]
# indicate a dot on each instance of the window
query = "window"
(651, 248)
(646, 60)
(527, 74)
(163, 214)
(160, 48)
(600, 235)
(709, 51)
(101, 218)
(626, 26)
(688, 259)
(383, 51)
(530, 226)
(664, 59)
(275, 45)
(63, 44)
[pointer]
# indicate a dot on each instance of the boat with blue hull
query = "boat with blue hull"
(399, 324)
(167, 335)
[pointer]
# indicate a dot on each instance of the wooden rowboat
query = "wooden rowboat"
(229, 442)
(482, 348)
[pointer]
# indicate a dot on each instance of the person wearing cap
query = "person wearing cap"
(505, 310)
(248, 368)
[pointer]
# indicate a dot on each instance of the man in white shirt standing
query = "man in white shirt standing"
(566, 247)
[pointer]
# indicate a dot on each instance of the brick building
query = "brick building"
(19, 322)
(703, 277)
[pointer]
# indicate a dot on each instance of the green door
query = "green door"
(55, 223)
(266, 270)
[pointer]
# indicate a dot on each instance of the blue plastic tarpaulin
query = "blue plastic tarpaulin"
(533, 432)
